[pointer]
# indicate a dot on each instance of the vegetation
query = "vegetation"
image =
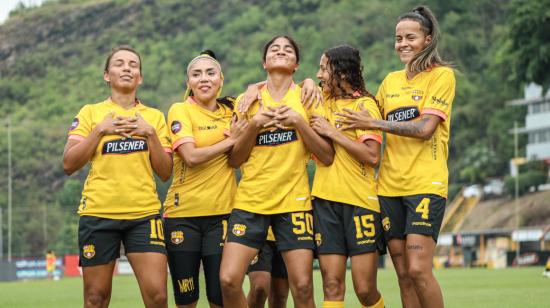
(51, 60)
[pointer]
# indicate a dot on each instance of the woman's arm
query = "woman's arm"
(367, 152)
(79, 150)
(421, 128)
(321, 148)
(193, 156)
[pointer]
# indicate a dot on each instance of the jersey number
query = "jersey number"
(303, 222)
(157, 232)
(424, 208)
(364, 226)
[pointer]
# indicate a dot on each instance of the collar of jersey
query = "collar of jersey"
(139, 105)
(263, 88)
(219, 111)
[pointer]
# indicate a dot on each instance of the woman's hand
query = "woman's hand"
(356, 119)
(322, 127)
(311, 94)
(237, 128)
(283, 117)
(251, 95)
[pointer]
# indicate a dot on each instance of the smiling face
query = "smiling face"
(281, 55)
(324, 74)
(409, 39)
(123, 71)
(204, 80)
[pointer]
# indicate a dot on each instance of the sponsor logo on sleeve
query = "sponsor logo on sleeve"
(439, 101)
(124, 146)
(403, 114)
(74, 124)
(175, 127)
(276, 138)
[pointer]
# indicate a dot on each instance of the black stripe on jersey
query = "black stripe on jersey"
(276, 138)
(124, 146)
(403, 114)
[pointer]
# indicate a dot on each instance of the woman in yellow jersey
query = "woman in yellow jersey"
(412, 188)
(272, 153)
(125, 142)
(346, 213)
(200, 199)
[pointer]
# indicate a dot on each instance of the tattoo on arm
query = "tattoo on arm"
(415, 247)
(397, 255)
(410, 128)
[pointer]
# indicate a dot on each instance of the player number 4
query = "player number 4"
(424, 208)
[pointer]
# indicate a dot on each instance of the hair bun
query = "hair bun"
(209, 53)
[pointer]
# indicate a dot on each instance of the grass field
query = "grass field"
(522, 287)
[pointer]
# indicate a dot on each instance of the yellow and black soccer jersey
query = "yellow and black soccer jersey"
(410, 165)
(120, 184)
(274, 177)
(347, 180)
(207, 189)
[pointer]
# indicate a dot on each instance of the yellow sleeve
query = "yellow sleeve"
(82, 124)
(162, 133)
(181, 129)
(381, 96)
(440, 94)
(370, 105)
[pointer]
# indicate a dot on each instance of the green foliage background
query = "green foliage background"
(51, 61)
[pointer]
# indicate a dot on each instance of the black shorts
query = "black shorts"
(269, 259)
(292, 230)
(196, 234)
(99, 238)
(416, 214)
(346, 229)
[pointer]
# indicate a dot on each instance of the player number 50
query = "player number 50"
(303, 222)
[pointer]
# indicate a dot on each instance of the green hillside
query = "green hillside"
(51, 60)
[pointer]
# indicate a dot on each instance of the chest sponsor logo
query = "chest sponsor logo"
(124, 146)
(403, 114)
(417, 95)
(175, 127)
(277, 137)
(74, 124)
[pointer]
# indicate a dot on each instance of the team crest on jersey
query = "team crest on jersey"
(417, 95)
(255, 260)
(175, 127)
(88, 251)
(239, 229)
(386, 223)
(176, 237)
(318, 239)
(74, 124)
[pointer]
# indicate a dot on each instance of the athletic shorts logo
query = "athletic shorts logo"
(74, 124)
(417, 95)
(176, 237)
(277, 137)
(403, 114)
(239, 229)
(318, 239)
(255, 260)
(386, 223)
(175, 127)
(124, 146)
(88, 251)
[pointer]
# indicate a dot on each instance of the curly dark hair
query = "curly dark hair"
(345, 65)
